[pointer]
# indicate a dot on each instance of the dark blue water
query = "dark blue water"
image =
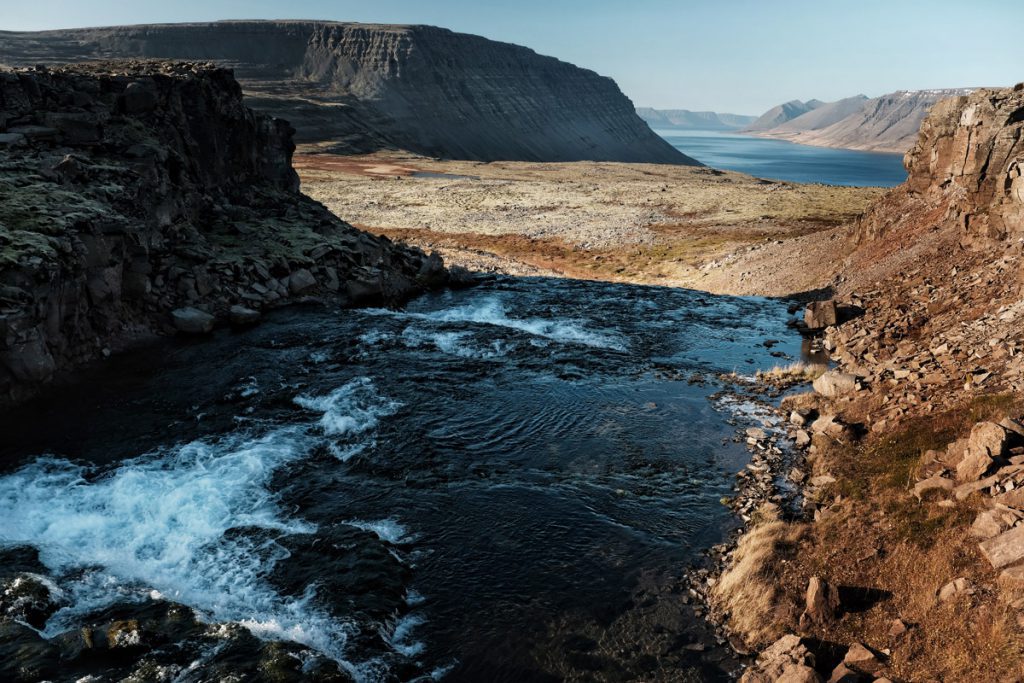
(781, 160)
(498, 484)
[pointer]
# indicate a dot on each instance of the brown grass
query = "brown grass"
(750, 593)
(880, 537)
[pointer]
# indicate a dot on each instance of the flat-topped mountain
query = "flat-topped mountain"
(363, 87)
(881, 124)
(684, 119)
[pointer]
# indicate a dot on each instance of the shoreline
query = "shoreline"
(795, 138)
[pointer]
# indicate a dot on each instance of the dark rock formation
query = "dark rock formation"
(131, 190)
(363, 87)
(967, 170)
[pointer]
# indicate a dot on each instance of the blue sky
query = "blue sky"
(740, 56)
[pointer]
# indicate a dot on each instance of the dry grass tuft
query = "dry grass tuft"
(790, 375)
(749, 593)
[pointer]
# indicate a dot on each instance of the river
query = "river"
(499, 483)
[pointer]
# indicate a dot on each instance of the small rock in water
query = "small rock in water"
(192, 320)
(242, 316)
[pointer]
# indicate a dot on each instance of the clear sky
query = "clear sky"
(739, 56)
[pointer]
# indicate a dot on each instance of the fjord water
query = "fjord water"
(783, 160)
(501, 483)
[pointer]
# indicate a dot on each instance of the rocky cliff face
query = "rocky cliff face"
(420, 88)
(924, 420)
(144, 198)
(964, 171)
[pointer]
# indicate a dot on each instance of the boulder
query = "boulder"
(934, 485)
(1012, 578)
(799, 418)
(756, 433)
(988, 524)
(988, 438)
(955, 589)
(821, 603)
(787, 659)
(974, 466)
(861, 659)
(241, 316)
(798, 673)
(833, 384)
(192, 320)
(802, 439)
(300, 281)
(1006, 549)
(844, 674)
(830, 426)
(29, 361)
(820, 314)
(986, 443)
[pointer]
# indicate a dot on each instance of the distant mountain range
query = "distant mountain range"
(881, 124)
(684, 119)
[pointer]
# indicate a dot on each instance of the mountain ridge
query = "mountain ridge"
(687, 119)
(361, 87)
(888, 123)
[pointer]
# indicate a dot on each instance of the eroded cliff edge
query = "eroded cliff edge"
(363, 87)
(143, 198)
(912, 542)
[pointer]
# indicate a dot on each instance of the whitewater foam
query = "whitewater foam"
(159, 522)
(493, 311)
(388, 530)
(349, 410)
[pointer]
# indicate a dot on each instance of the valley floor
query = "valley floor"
(722, 232)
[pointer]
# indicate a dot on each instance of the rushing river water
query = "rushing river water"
(783, 160)
(501, 483)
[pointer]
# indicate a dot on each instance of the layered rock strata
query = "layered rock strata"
(363, 87)
(131, 190)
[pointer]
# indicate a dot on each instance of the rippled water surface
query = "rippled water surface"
(783, 160)
(502, 483)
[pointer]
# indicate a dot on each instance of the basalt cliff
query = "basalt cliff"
(144, 198)
(911, 543)
(362, 87)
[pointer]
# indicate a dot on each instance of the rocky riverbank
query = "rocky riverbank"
(145, 198)
(909, 565)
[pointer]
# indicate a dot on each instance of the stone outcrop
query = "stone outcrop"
(921, 446)
(965, 169)
(363, 87)
(132, 190)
